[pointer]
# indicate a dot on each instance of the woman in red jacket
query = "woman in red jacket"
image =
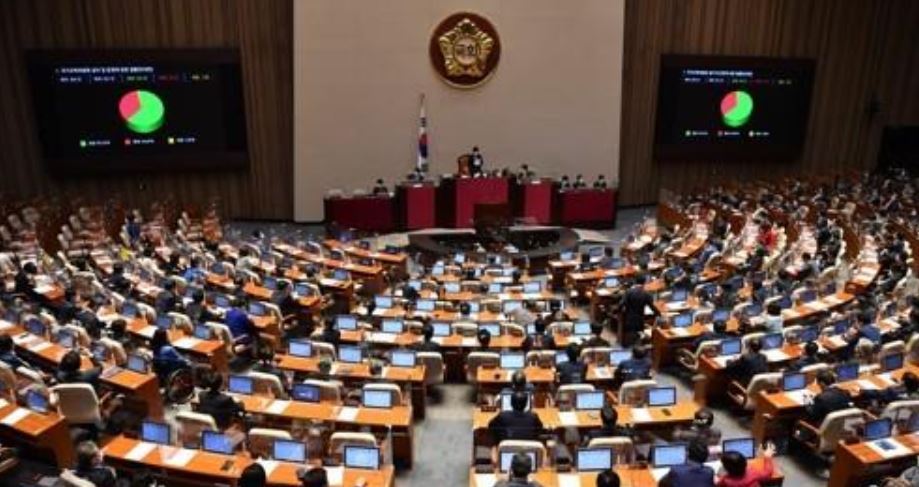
(738, 474)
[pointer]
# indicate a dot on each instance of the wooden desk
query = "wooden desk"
(47, 433)
(715, 385)
(213, 352)
(207, 468)
(397, 420)
(552, 418)
(854, 462)
(411, 378)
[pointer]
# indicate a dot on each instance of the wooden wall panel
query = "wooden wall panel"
(866, 50)
(261, 29)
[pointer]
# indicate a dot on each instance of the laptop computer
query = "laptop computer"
(730, 346)
(594, 459)
(288, 451)
(403, 358)
(305, 392)
(682, 320)
(891, 362)
(425, 305)
(441, 329)
(513, 361)
(878, 429)
(532, 287)
(661, 396)
(794, 382)
(350, 354)
(37, 402)
(587, 401)
(392, 326)
(744, 446)
(846, 372)
(155, 432)
(581, 328)
(376, 399)
(346, 322)
(137, 363)
(618, 356)
(665, 456)
(300, 348)
(363, 457)
(241, 384)
(215, 442)
(383, 302)
(772, 341)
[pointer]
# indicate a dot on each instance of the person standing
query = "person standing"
(635, 302)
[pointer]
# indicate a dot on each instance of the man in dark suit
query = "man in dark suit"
(521, 467)
(118, 282)
(634, 303)
(610, 428)
(166, 300)
(694, 473)
(572, 371)
(517, 424)
(91, 467)
(636, 368)
(829, 400)
(749, 364)
(197, 310)
(810, 357)
(220, 406)
(427, 345)
(595, 340)
(476, 162)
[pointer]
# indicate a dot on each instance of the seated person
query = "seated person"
(222, 407)
(91, 467)
(117, 281)
(241, 326)
(572, 371)
(517, 424)
(195, 272)
(719, 332)
(330, 334)
(166, 300)
(166, 359)
(701, 429)
(8, 353)
(907, 390)
(773, 322)
(738, 474)
(694, 473)
(519, 475)
(68, 372)
(541, 339)
(484, 337)
(427, 344)
(519, 383)
(579, 182)
(750, 363)
(610, 428)
(284, 300)
(380, 189)
(809, 357)
(314, 477)
(864, 330)
(829, 400)
(197, 310)
(635, 368)
(265, 354)
(253, 476)
(608, 478)
(595, 340)
(600, 183)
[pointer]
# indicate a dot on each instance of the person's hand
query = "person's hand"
(769, 451)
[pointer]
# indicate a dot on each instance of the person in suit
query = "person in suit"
(635, 368)
(610, 428)
(521, 467)
(702, 429)
(634, 303)
(166, 300)
(330, 334)
(197, 310)
(223, 408)
(564, 183)
(830, 399)
(427, 344)
(608, 478)
(68, 372)
(24, 281)
(314, 477)
(773, 322)
(91, 467)
(517, 424)
(476, 162)
(694, 473)
(572, 371)
(118, 282)
(253, 476)
(8, 353)
(380, 188)
(579, 182)
(600, 183)
(810, 357)
(595, 340)
(750, 363)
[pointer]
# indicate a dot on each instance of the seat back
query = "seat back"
(191, 424)
(329, 391)
(70, 479)
(8, 380)
(560, 328)
(812, 370)
(525, 446)
(891, 348)
(623, 448)
(222, 332)
(268, 384)
(900, 412)
(541, 358)
(759, 383)
(340, 439)
(479, 359)
(838, 426)
(323, 349)
(566, 393)
(634, 392)
(261, 440)
(78, 403)
(386, 386)
(182, 322)
(912, 349)
(749, 337)
(433, 367)
(596, 355)
(465, 329)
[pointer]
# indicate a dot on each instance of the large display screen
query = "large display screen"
(128, 110)
(732, 107)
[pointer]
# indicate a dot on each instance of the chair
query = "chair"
(746, 397)
(116, 350)
(891, 348)
(340, 439)
(329, 391)
(323, 349)
(525, 446)
(386, 386)
(812, 370)
(70, 479)
(8, 380)
(541, 358)
(623, 448)
(261, 440)
(191, 425)
(565, 396)
(900, 413)
(596, 355)
(182, 322)
(465, 329)
(433, 367)
(513, 329)
(634, 392)
(146, 311)
(479, 359)
(690, 359)
(268, 384)
(560, 328)
(912, 349)
(836, 427)
(749, 337)
(77, 403)
(222, 332)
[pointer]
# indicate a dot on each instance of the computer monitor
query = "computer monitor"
(615, 263)
(303, 289)
(300, 348)
(346, 322)
(661, 396)
(441, 329)
(663, 456)
(772, 341)
(270, 283)
(721, 315)
(679, 295)
(754, 309)
(508, 456)
(222, 301)
(495, 288)
(744, 446)
(618, 356)
(891, 362)
(594, 459)
(403, 358)
(414, 284)
(840, 326)
(340, 275)
(589, 400)
(611, 282)
(878, 429)
(350, 354)
(65, 339)
(215, 442)
(257, 309)
(392, 326)
(241, 384)
(426, 305)
(808, 334)
(474, 306)
(137, 363)
(305, 392)
(383, 302)
(561, 357)
(36, 402)
(372, 398)
(100, 352)
(582, 328)
(511, 305)
(532, 287)
(794, 382)
(459, 259)
(506, 401)
(164, 322)
(154, 432)
(494, 329)
(731, 346)
(203, 332)
(437, 270)
(288, 451)
(785, 302)
(129, 310)
(513, 361)
(808, 296)
(566, 255)
(365, 457)
(682, 320)
(35, 327)
(595, 252)
(452, 287)
(848, 371)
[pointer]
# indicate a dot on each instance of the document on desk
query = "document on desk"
(14, 417)
(889, 448)
(383, 337)
(140, 451)
(680, 332)
(775, 355)
(659, 473)
(147, 331)
(268, 465)
(641, 415)
(186, 342)
(348, 414)
(5, 325)
(181, 457)
(470, 342)
(799, 397)
(38, 347)
(481, 479)
(277, 407)
(3, 403)
(603, 372)
(866, 384)
(568, 418)
(335, 475)
(569, 480)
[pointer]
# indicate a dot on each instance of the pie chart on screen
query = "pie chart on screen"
(736, 108)
(142, 111)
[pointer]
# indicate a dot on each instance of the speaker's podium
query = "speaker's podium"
(417, 201)
(458, 197)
